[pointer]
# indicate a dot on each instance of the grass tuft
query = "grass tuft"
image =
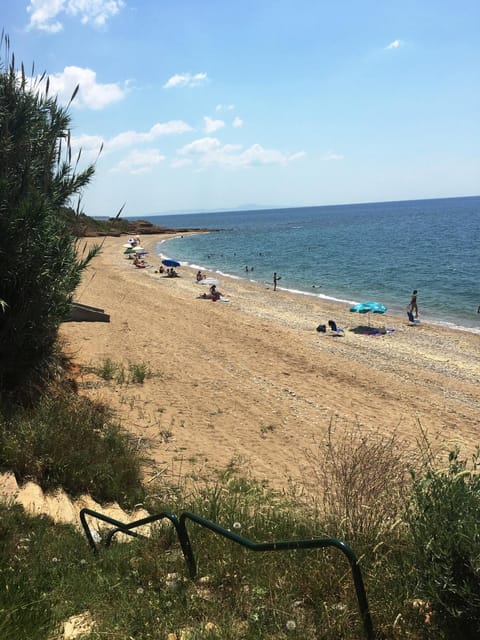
(71, 442)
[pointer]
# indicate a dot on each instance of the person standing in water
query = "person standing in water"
(413, 304)
(275, 280)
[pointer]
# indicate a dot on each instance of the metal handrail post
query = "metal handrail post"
(281, 545)
(314, 543)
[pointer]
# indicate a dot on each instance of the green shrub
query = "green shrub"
(69, 441)
(139, 372)
(443, 517)
(108, 369)
(39, 267)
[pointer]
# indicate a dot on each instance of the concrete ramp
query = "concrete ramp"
(84, 313)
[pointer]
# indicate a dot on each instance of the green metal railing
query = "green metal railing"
(180, 526)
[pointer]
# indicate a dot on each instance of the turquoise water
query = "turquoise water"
(350, 253)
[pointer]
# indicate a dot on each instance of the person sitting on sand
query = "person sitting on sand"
(214, 294)
(199, 276)
(161, 269)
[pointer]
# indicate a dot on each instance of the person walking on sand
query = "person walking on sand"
(413, 304)
(275, 280)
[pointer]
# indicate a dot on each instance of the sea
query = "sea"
(348, 253)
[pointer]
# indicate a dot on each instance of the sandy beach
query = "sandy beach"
(252, 381)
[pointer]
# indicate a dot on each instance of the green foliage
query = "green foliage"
(108, 369)
(39, 268)
(137, 372)
(41, 567)
(72, 442)
(82, 225)
(141, 589)
(444, 524)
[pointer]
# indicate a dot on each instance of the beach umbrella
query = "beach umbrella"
(138, 249)
(129, 250)
(141, 253)
(368, 307)
(127, 245)
(170, 263)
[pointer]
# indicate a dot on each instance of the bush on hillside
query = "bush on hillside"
(71, 442)
(444, 526)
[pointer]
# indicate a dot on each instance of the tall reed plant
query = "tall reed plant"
(39, 263)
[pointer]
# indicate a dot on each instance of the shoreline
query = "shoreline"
(394, 310)
(251, 380)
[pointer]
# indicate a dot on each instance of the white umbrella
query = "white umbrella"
(137, 249)
(127, 245)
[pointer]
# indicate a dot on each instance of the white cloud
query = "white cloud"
(238, 122)
(128, 138)
(225, 107)
(200, 147)
(91, 94)
(90, 146)
(170, 127)
(296, 156)
(96, 12)
(178, 163)
(139, 162)
(393, 45)
(257, 155)
(212, 125)
(211, 152)
(185, 80)
(330, 155)
(44, 13)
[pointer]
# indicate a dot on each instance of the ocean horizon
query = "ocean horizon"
(347, 253)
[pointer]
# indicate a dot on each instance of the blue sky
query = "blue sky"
(207, 105)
